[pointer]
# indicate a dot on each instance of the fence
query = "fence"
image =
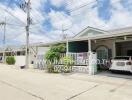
(39, 62)
(80, 59)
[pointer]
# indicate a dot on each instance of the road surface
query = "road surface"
(17, 84)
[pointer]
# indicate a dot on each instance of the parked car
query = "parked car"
(121, 63)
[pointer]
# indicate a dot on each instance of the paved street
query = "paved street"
(17, 84)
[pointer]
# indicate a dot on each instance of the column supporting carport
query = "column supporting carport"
(67, 47)
(89, 45)
(91, 58)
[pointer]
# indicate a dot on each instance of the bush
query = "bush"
(50, 68)
(53, 56)
(10, 60)
(68, 62)
(54, 53)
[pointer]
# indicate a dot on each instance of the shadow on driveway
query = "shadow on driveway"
(125, 75)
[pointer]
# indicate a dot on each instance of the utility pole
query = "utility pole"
(27, 34)
(65, 37)
(4, 38)
(26, 6)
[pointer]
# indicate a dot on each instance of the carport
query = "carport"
(124, 48)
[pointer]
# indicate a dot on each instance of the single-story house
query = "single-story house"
(107, 44)
(19, 52)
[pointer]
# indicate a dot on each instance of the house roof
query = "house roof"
(105, 34)
(90, 28)
(121, 30)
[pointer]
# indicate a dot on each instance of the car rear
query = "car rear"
(121, 65)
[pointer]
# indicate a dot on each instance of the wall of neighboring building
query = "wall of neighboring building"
(39, 60)
(20, 60)
(42, 50)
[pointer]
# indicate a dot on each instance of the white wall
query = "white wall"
(20, 60)
(42, 50)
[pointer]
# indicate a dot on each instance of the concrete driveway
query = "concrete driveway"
(17, 84)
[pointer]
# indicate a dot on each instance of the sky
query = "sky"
(50, 17)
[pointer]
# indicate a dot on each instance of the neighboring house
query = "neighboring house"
(36, 53)
(19, 52)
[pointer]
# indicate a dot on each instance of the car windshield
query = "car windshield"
(124, 58)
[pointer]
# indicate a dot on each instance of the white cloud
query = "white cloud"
(59, 20)
(79, 19)
(86, 16)
(57, 3)
(34, 38)
(16, 34)
(121, 17)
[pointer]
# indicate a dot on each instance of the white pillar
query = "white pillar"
(67, 47)
(92, 59)
(114, 49)
(89, 46)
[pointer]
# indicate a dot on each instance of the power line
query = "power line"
(82, 6)
(72, 10)
(32, 13)
(35, 18)
(16, 36)
(41, 31)
(10, 24)
(103, 26)
(12, 14)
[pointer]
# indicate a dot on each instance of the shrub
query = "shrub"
(10, 60)
(53, 56)
(54, 53)
(50, 68)
(68, 62)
